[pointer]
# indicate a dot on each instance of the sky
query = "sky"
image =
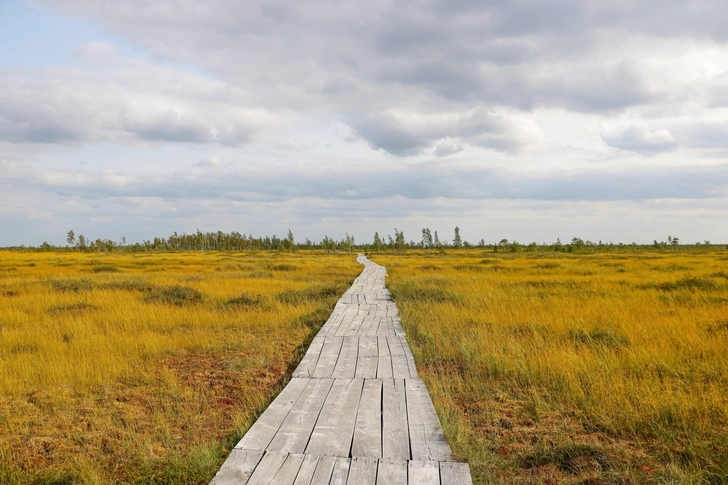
(529, 120)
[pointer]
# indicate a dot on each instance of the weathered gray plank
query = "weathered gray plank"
(372, 318)
(289, 470)
(399, 360)
(238, 468)
(395, 432)
(346, 365)
(334, 430)
(409, 357)
(324, 469)
(384, 363)
(345, 324)
(366, 365)
(362, 471)
(424, 472)
(261, 433)
(341, 471)
(357, 322)
(372, 330)
(295, 431)
(267, 468)
(368, 428)
(329, 355)
(426, 438)
(308, 364)
(392, 472)
(455, 473)
(308, 468)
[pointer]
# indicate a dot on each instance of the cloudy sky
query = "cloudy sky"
(522, 119)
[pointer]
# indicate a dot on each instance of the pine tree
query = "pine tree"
(457, 242)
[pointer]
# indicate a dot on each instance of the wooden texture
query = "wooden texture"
(368, 429)
(354, 412)
(424, 472)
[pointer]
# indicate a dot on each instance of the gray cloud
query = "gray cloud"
(640, 139)
(357, 61)
(447, 147)
(425, 180)
(695, 135)
(124, 105)
(410, 133)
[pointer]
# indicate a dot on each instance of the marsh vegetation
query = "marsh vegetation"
(147, 368)
(586, 369)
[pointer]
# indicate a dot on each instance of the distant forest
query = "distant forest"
(429, 240)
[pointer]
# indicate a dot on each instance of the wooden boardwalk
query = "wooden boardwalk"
(355, 411)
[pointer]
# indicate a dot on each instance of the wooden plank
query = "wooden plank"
(261, 433)
(384, 362)
(307, 470)
(329, 355)
(238, 468)
(267, 468)
(334, 430)
(308, 364)
(455, 473)
(341, 471)
(343, 328)
(395, 432)
(324, 469)
(357, 322)
(370, 328)
(392, 472)
(346, 365)
(366, 365)
(331, 321)
(371, 319)
(424, 472)
(399, 360)
(410, 358)
(295, 431)
(384, 326)
(289, 470)
(368, 428)
(362, 471)
(426, 437)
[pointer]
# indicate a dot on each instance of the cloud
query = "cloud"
(209, 162)
(125, 104)
(385, 61)
(425, 180)
(447, 147)
(640, 139)
(412, 133)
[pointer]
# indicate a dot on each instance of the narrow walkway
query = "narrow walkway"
(355, 411)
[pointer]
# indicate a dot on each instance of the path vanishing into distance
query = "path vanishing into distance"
(354, 412)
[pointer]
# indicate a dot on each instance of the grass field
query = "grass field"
(574, 369)
(147, 368)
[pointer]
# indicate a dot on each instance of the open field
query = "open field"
(147, 368)
(589, 369)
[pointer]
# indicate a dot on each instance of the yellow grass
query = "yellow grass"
(145, 368)
(597, 368)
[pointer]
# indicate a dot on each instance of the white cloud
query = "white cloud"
(639, 139)
(209, 162)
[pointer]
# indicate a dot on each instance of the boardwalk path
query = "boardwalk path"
(355, 411)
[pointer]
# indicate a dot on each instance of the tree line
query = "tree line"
(397, 243)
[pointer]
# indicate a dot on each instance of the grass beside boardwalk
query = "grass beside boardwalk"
(574, 369)
(147, 368)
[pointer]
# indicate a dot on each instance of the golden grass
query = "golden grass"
(552, 368)
(145, 368)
